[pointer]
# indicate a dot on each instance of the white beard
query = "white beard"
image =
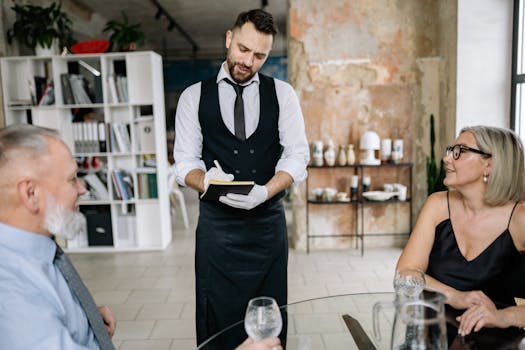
(62, 222)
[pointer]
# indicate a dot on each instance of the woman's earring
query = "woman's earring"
(485, 178)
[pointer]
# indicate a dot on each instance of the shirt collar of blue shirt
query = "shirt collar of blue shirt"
(35, 245)
(224, 75)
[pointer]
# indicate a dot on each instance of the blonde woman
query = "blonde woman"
(470, 240)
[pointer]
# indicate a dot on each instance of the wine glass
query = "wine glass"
(409, 282)
(263, 318)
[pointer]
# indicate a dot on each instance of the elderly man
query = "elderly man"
(43, 302)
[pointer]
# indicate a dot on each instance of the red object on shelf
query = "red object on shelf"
(92, 46)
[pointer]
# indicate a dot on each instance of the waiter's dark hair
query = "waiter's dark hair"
(262, 20)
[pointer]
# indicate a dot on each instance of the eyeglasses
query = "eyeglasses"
(458, 149)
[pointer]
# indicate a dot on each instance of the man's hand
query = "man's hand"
(257, 195)
(264, 344)
(216, 174)
(109, 319)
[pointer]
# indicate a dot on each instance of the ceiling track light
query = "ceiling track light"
(173, 24)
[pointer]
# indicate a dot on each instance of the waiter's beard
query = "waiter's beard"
(231, 68)
(63, 222)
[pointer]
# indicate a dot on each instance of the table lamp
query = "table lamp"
(369, 143)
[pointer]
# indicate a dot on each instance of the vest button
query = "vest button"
(235, 151)
(252, 151)
(254, 171)
(237, 171)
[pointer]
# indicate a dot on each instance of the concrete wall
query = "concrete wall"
(370, 65)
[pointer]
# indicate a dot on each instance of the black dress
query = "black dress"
(494, 271)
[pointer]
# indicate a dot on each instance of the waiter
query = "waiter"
(252, 125)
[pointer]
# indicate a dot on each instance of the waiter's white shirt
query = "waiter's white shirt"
(188, 139)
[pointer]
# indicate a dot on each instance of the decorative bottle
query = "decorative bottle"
(350, 155)
(329, 154)
(341, 158)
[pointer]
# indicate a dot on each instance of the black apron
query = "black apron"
(240, 254)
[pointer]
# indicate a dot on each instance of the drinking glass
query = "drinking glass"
(409, 282)
(263, 318)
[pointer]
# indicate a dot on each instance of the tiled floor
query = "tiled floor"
(152, 293)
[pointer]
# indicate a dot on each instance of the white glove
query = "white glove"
(257, 195)
(216, 174)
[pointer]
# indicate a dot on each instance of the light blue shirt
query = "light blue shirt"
(37, 308)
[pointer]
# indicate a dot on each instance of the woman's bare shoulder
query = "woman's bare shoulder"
(517, 226)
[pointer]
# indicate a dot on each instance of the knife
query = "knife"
(361, 339)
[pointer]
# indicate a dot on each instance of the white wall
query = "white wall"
(484, 62)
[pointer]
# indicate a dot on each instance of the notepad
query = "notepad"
(217, 188)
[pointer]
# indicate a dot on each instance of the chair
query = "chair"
(176, 194)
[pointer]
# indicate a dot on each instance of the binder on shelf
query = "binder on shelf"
(98, 218)
(145, 129)
(102, 144)
(98, 98)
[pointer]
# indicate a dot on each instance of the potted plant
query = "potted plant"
(435, 175)
(41, 26)
(124, 36)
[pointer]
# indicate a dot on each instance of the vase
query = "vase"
(350, 155)
(341, 158)
(329, 154)
(43, 51)
(317, 153)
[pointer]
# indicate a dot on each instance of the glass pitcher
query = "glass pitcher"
(419, 322)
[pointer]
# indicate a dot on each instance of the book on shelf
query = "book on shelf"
(123, 184)
(152, 186)
(40, 85)
(217, 188)
(48, 95)
(67, 93)
(112, 89)
(122, 138)
(19, 102)
(79, 89)
(98, 188)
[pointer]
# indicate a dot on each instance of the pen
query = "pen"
(217, 165)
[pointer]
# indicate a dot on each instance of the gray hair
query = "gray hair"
(507, 177)
(24, 139)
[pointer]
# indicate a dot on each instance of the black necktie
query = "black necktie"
(238, 111)
(84, 297)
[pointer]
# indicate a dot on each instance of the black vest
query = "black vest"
(256, 157)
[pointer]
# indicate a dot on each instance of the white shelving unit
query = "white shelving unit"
(141, 222)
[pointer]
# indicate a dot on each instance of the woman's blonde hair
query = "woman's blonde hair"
(506, 181)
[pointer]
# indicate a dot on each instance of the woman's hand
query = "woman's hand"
(464, 300)
(479, 316)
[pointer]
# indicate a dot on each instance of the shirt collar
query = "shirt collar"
(27, 243)
(225, 75)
